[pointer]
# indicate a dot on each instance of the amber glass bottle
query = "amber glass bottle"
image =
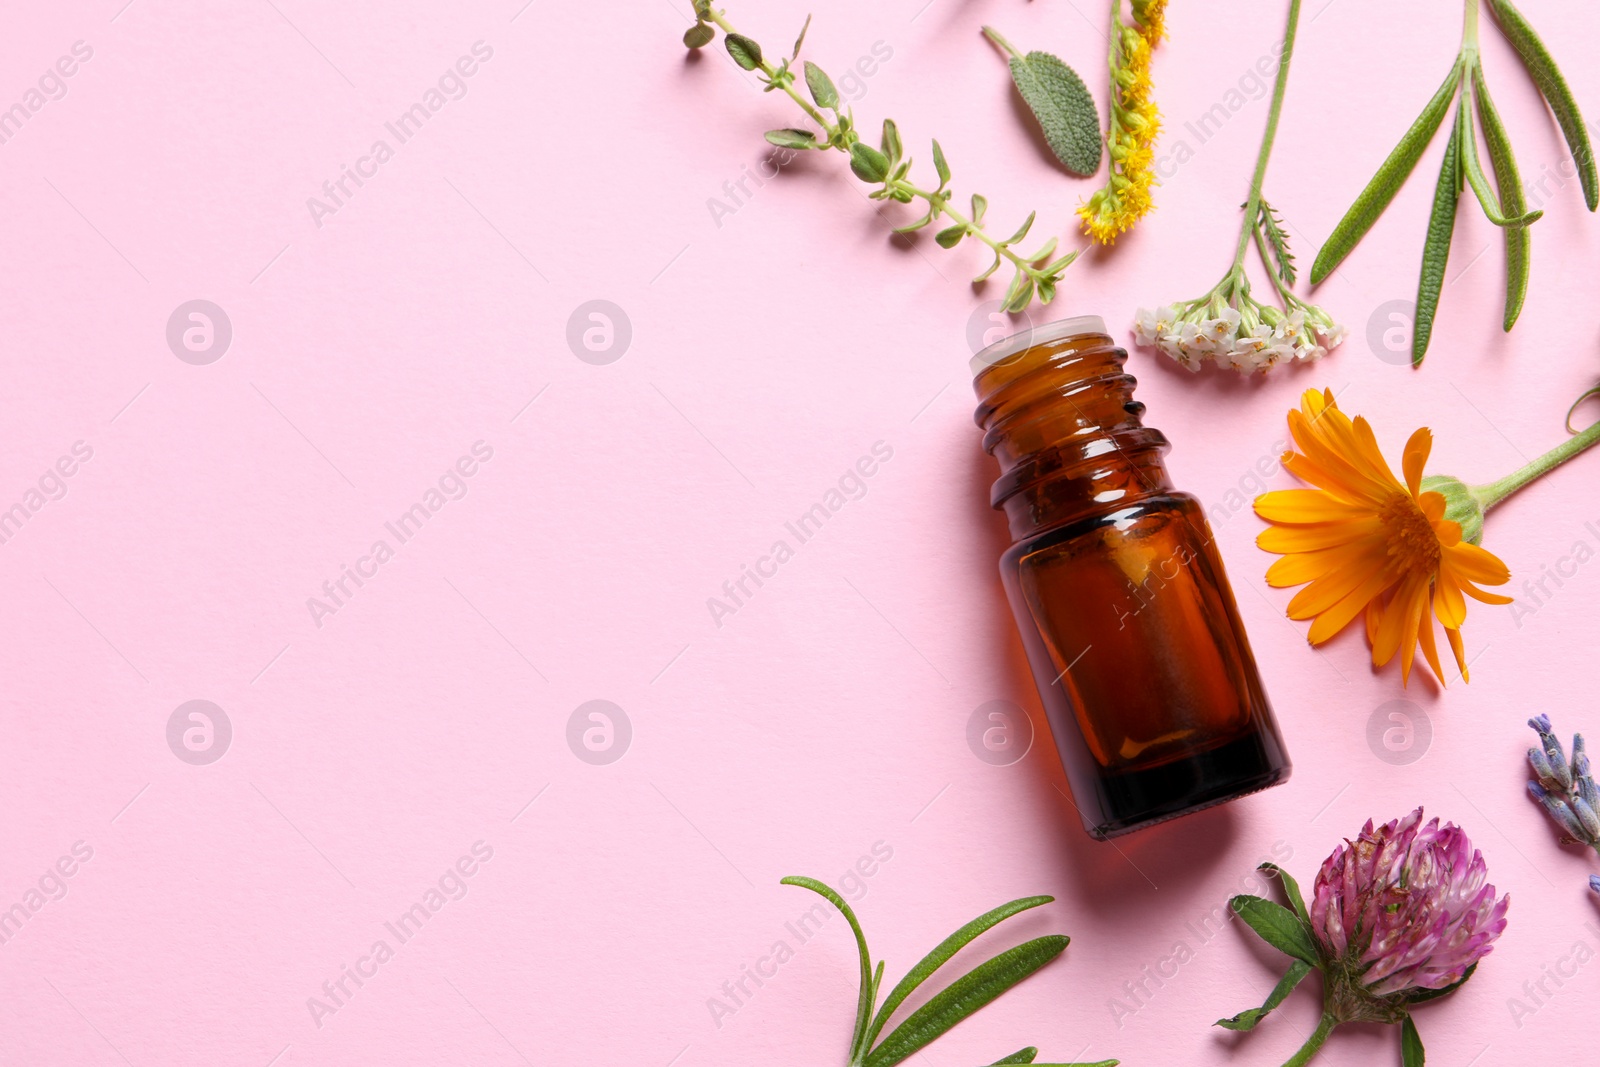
(1131, 630)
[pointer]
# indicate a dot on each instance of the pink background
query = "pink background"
(770, 348)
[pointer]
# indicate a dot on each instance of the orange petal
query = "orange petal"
(1341, 614)
(1330, 589)
(1298, 568)
(1430, 649)
(1477, 564)
(1416, 456)
(1282, 539)
(1305, 505)
(1448, 603)
(1485, 597)
(1461, 655)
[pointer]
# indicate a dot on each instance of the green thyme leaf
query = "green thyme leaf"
(980, 204)
(800, 40)
(940, 165)
(1247, 1020)
(891, 142)
(1060, 103)
(869, 164)
(702, 9)
(1020, 295)
(1519, 243)
(991, 269)
(864, 1000)
(744, 51)
(1278, 927)
(944, 950)
(1278, 240)
(964, 996)
(699, 35)
(1411, 1053)
(792, 138)
(821, 86)
(1547, 76)
(1436, 249)
(950, 236)
(1386, 183)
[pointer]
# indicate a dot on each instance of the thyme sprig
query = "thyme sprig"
(1503, 204)
(955, 1002)
(887, 166)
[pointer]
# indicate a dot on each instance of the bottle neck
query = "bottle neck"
(1058, 415)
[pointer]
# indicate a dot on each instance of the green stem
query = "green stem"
(1493, 493)
(1252, 208)
(1313, 1044)
(994, 35)
(1469, 32)
(785, 83)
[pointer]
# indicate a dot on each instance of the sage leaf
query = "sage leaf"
(1246, 1020)
(1411, 1053)
(950, 236)
(1436, 249)
(1553, 87)
(869, 164)
(864, 999)
(744, 51)
(965, 995)
(821, 86)
(1278, 927)
(1386, 183)
(699, 35)
(1519, 243)
(944, 950)
(792, 138)
(1063, 107)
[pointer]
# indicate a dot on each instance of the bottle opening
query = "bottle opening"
(1026, 338)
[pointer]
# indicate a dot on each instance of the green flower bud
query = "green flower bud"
(1462, 504)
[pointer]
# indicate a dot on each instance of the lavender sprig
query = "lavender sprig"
(1566, 790)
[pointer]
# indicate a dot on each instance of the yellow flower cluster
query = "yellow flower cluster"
(1134, 123)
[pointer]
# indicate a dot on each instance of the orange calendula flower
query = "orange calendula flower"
(1370, 544)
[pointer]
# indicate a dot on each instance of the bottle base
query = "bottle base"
(1140, 799)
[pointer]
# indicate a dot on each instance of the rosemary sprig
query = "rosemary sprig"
(886, 166)
(955, 1002)
(1502, 203)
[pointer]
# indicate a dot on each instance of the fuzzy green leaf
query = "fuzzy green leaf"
(869, 164)
(744, 51)
(1436, 249)
(1247, 1020)
(944, 950)
(699, 35)
(950, 236)
(800, 40)
(1063, 107)
(1519, 243)
(864, 998)
(1386, 183)
(940, 165)
(1547, 76)
(964, 996)
(1411, 1053)
(1278, 927)
(792, 138)
(821, 86)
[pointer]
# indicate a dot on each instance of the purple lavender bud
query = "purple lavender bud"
(1558, 810)
(1594, 882)
(1588, 820)
(1542, 769)
(1405, 906)
(1555, 761)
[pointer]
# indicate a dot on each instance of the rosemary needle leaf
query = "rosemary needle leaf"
(1553, 87)
(1488, 199)
(965, 996)
(744, 51)
(944, 950)
(1025, 1055)
(864, 1000)
(1246, 1020)
(1519, 244)
(1436, 250)
(1386, 183)
(821, 86)
(1277, 926)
